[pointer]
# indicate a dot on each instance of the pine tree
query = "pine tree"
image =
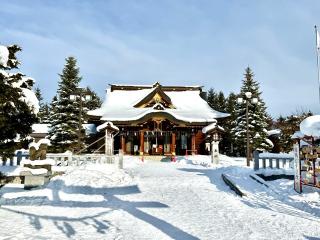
(211, 99)
(44, 111)
(228, 141)
(94, 102)
(221, 102)
(65, 128)
(18, 103)
(257, 118)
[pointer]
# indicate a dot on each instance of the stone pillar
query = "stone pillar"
(193, 143)
(141, 142)
(173, 144)
(215, 152)
(123, 144)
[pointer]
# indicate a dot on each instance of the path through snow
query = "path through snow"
(155, 200)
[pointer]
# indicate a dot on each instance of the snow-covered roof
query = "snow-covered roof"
(298, 135)
(212, 126)
(311, 126)
(40, 128)
(188, 106)
(44, 128)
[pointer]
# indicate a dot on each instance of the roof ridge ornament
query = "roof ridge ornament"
(156, 84)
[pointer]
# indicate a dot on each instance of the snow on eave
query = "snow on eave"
(189, 106)
(107, 125)
(166, 111)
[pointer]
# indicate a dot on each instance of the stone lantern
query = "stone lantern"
(214, 132)
(110, 131)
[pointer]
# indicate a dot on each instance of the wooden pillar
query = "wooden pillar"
(173, 144)
(123, 144)
(193, 143)
(141, 142)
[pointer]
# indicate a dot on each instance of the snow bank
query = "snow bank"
(93, 175)
(275, 171)
(311, 126)
(205, 160)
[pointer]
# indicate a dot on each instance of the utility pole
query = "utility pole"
(248, 143)
(82, 95)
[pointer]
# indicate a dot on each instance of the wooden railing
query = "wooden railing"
(272, 160)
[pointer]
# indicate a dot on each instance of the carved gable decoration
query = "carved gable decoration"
(158, 106)
(157, 96)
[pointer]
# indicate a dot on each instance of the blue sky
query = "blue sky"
(197, 42)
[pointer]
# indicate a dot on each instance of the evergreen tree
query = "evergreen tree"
(38, 94)
(66, 129)
(221, 102)
(217, 101)
(228, 141)
(18, 103)
(44, 111)
(288, 126)
(93, 103)
(257, 118)
(211, 99)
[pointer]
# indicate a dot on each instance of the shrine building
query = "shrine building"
(156, 119)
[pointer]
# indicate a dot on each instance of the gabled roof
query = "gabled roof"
(165, 100)
(189, 107)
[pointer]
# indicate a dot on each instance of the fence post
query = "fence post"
(284, 163)
(120, 162)
(11, 161)
(270, 162)
(263, 162)
(256, 160)
(19, 157)
(277, 163)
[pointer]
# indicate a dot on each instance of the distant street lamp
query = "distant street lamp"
(246, 99)
(81, 95)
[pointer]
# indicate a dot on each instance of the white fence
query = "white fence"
(69, 159)
(272, 160)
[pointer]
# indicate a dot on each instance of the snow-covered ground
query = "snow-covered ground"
(186, 199)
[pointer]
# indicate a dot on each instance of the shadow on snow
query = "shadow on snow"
(110, 201)
(259, 196)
